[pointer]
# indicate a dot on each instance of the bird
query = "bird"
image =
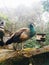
(1, 32)
(22, 35)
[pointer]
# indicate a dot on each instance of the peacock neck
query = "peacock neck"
(32, 31)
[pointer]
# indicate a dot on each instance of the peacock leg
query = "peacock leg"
(15, 46)
(22, 46)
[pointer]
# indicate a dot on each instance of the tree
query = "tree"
(46, 5)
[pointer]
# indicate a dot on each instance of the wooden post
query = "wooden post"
(40, 38)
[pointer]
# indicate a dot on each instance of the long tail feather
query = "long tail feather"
(8, 42)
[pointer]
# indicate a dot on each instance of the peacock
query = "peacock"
(1, 32)
(22, 35)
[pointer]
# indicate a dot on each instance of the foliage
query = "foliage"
(46, 5)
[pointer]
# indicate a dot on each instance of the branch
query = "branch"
(28, 52)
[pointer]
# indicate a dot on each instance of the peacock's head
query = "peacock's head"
(32, 30)
(31, 25)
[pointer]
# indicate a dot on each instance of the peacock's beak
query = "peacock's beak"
(33, 24)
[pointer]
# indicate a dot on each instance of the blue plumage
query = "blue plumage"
(32, 31)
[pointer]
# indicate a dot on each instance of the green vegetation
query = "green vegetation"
(46, 5)
(31, 42)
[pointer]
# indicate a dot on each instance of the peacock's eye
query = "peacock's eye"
(1, 22)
